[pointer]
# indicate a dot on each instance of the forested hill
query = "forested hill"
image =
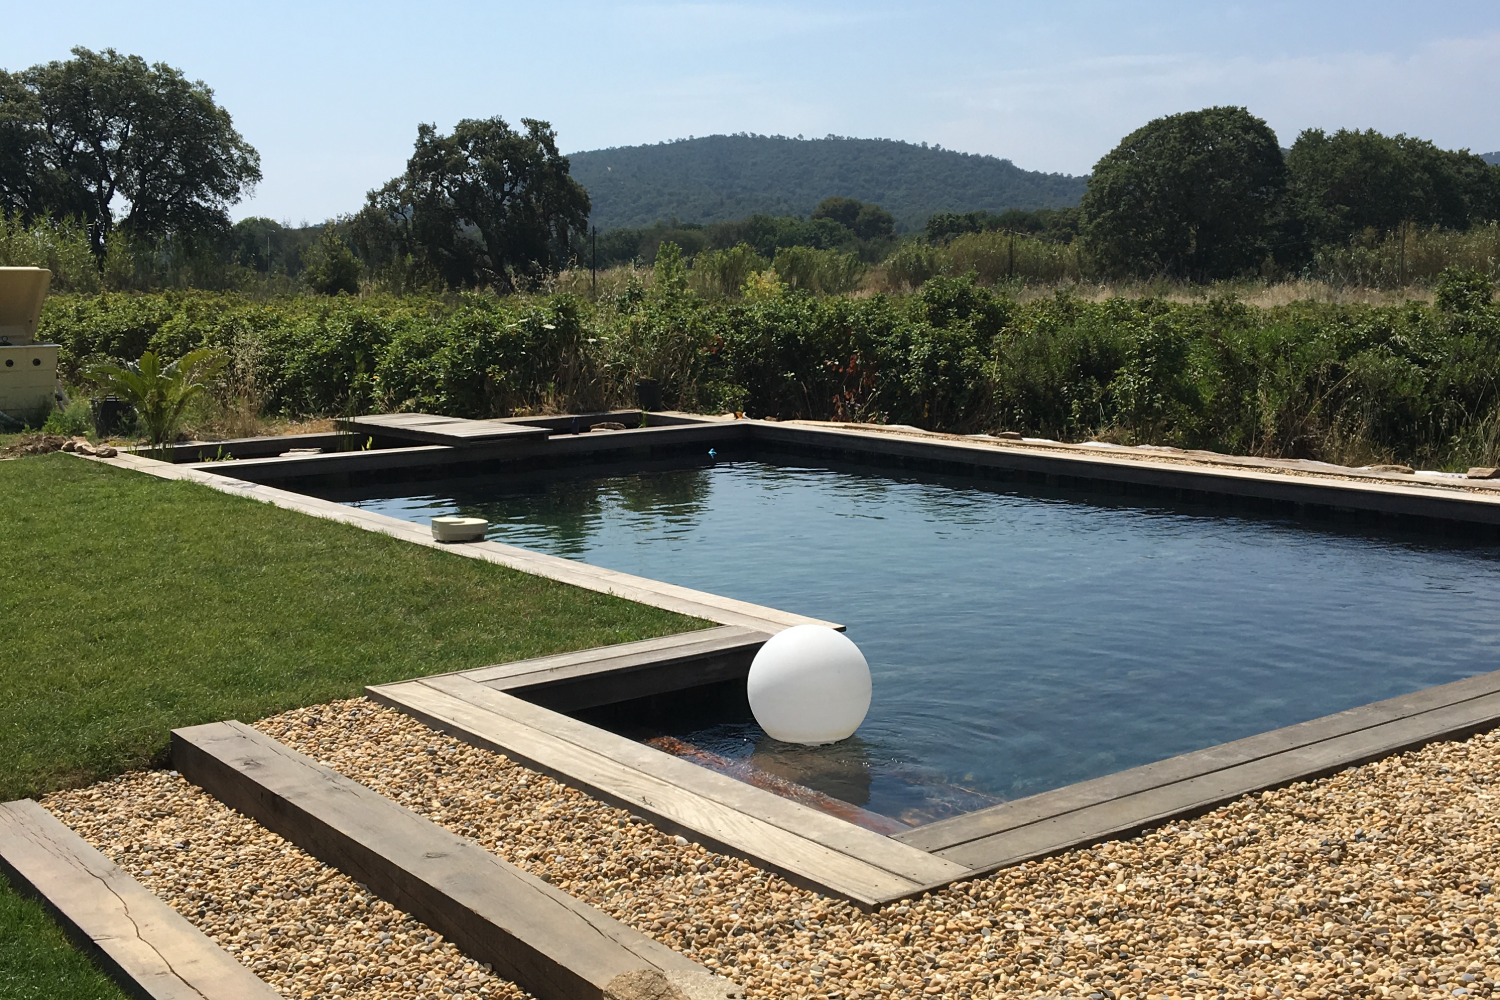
(718, 178)
(1491, 157)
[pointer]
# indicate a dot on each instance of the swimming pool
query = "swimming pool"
(1020, 638)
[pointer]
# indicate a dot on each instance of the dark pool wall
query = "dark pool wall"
(1021, 638)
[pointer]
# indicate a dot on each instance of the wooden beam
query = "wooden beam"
(532, 933)
(428, 428)
(1125, 803)
(1422, 498)
(807, 846)
(609, 674)
(146, 946)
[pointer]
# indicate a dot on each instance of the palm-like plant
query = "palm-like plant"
(159, 393)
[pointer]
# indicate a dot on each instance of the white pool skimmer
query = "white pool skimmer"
(459, 529)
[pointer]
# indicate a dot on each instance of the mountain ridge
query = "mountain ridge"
(720, 178)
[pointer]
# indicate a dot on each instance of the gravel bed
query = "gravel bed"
(302, 926)
(1376, 882)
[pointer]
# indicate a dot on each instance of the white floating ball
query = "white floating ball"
(809, 684)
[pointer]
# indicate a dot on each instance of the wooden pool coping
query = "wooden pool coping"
(484, 706)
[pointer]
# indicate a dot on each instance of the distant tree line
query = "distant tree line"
(1209, 194)
(1056, 225)
(141, 165)
(843, 224)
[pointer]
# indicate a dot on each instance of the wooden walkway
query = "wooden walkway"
(815, 849)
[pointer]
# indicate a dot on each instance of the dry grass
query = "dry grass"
(877, 281)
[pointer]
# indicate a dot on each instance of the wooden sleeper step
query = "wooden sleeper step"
(534, 934)
(146, 946)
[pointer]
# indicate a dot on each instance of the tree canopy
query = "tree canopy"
(1188, 195)
(103, 133)
(868, 222)
(1348, 181)
(486, 205)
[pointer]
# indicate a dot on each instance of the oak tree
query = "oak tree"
(1189, 195)
(111, 139)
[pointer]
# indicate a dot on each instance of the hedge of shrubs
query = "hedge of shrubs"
(1413, 383)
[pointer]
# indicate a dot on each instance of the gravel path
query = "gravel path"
(1376, 882)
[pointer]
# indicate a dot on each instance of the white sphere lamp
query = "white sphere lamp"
(809, 684)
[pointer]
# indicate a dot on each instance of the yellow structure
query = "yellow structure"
(28, 371)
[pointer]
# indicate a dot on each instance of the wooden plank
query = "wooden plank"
(609, 674)
(1035, 808)
(534, 934)
(808, 846)
(1131, 813)
(435, 429)
(146, 946)
(543, 449)
(501, 676)
(670, 807)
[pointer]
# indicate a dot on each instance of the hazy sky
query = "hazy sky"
(331, 93)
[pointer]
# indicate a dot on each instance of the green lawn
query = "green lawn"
(37, 962)
(132, 605)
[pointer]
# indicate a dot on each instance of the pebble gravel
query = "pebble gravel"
(303, 927)
(1376, 882)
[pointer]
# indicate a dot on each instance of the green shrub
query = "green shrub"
(1412, 383)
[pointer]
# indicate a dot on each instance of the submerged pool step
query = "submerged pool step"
(534, 934)
(1130, 801)
(145, 945)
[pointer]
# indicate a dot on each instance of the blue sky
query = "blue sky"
(331, 93)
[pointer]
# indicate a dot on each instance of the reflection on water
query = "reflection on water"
(565, 512)
(1019, 639)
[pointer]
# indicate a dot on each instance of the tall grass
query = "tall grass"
(1410, 256)
(998, 257)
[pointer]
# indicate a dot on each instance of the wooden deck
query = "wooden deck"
(821, 851)
(808, 847)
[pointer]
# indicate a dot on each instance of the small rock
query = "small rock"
(1404, 470)
(606, 425)
(1483, 472)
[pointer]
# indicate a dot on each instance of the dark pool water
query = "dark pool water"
(1019, 639)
